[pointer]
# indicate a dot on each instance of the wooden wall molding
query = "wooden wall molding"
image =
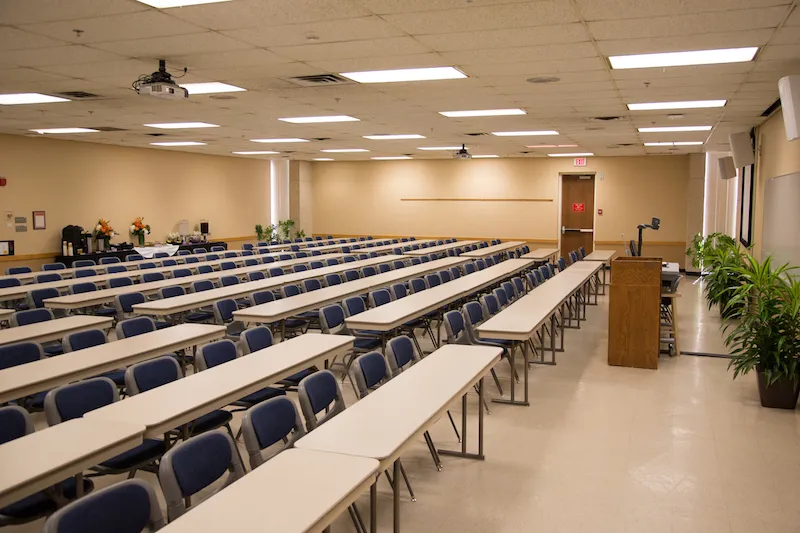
(476, 199)
(436, 237)
(648, 243)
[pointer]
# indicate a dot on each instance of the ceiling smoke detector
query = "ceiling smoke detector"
(543, 79)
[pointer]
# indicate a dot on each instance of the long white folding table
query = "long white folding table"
(51, 330)
(24, 380)
(605, 257)
(520, 321)
(173, 405)
(45, 458)
(495, 249)
(541, 254)
(384, 423)
(196, 300)
(441, 248)
(359, 245)
(313, 489)
(280, 310)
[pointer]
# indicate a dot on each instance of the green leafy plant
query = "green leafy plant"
(766, 336)
(301, 234)
(701, 248)
(723, 276)
(286, 227)
(265, 233)
(259, 232)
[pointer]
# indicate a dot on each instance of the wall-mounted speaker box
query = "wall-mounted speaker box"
(204, 228)
(727, 170)
(742, 149)
(789, 88)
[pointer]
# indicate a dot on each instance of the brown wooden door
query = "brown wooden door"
(577, 213)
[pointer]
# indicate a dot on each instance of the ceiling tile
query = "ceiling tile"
(16, 39)
(549, 68)
(174, 46)
(15, 12)
(378, 63)
(353, 49)
(60, 55)
(787, 35)
(704, 41)
(413, 6)
(625, 9)
(506, 38)
(234, 58)
(328, 31)
(528, 53)
(781, 51)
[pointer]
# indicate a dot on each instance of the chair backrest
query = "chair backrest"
(379, 297)
(183, 252)
(573, 257)
(354, 305)
(433, 280)
(128, 506)
(20, 354)
(150, 374)
(160, 255)
(544, 272)
(284, 257)
(581, 253)
(368, 271)
(331, 319)
(46, 278)
(251, 262)
(31, 316)
(190, 259)
(168, 263)
(113, 269)
(317, 392)
(227, 281)
(490, 305)
(223, 310)
(262, 297)
(480, 264)
(18, 270)
(384, 267)
(124, 302)
(511, 292)
(267, 259)
(83, 339)
(417, 285)
(370, 372)
(552, 269)
(36, 297)
(15, 422)
(301, 254)
(519, 286)
(290, 290)
(332, 279)
(469, 268)
(331, 262)
(135, 326)
(538, 275)
(267, 423)
(129, 257)
(76, 399)
(299, 268)
(311, 285)
(212, 257)
(216, 353)
(147, 277)
(255, 339)
(425, 259)
(275, 271)
(489, 261)
(147, 266)
(454, 327)
(171, 292)
(195, 464)
(113, 283)
(401, 354)
(230, 255)
(255, 276)
(501, 296)
(397, 263)
(55, 266)
(316, 264)
(227, 265)
(85, 273)
(416, 261)
(351, 275)
(11, 282)
(199, 250)
(349, 259)
(562, 264)
(81, 263)
(399, 291)
(181, 273)
(455, 272)
(80, 288)
(444, 275)
(202, 285)
(217, 248)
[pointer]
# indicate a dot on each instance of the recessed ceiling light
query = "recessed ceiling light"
(257, 152)
(695, 104)
(344, 150)
(391, 158)
(680, 59)
(315, 120)
(211, 87)
(551, 146)
(29, 98)
(165, 4)
(581, 154)
(323, 159)
(405, 74)
(66, 130)
(181, 125)
(482, 113)
(272, 141)
(666, 129)
(179, 143)
(394, 137)
(677, 143)
(485, 156)
(440, 148)
(523, 133)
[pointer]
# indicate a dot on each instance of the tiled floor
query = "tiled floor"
(606, 449)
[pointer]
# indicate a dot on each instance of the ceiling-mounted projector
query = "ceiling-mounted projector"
(462, 153)
(160, 84)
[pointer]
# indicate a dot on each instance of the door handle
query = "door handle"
(565, 229)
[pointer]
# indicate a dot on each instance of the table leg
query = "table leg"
(396, 496)
(373, 507)
(79, 485)
(675, 326)
(463, 452)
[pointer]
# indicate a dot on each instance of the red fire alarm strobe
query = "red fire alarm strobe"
(2, 181)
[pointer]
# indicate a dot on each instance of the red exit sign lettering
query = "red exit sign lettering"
(580, 161)
(579, 208)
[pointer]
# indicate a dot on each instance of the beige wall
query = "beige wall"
(353, 198)
(78, 182)
(775, 157)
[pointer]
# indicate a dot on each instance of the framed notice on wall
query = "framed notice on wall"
(39, 220)
(746, 206)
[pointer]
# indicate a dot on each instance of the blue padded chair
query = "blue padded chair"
(19, 354)
(89, 339)
(262, 297)
(168, 263)
(212, 257)
(331, 262)
(299, 268)
(45, 278)
(148, 277)
(135, 326)
(85, 273)
(455, 272)
(469, 268)
(223, 315)
(432, 280)
(581, 253)
(379, 297)
(230, 255)
(181, 273)
(260, 338)
(194, 465)
(519, 286)
(551, 268)
(227, 281)
(199, 250)
(351, 275)
(35, 298)
(501, 297)
(384, 267)
(147, 266)
(148, 375)
(124, 303)
(370, 371)
(490, 304)
(227, 265)
(444, 275)
(276, 271)
(401, 353)
(251, 262)
(81, 288)
(480, 264)
(285, 257)
(54, 266)
(160, 255)
(190, 259)
(31, 316)
(510, 290)
(223, 351)
(416, 285)
(349, 259)
(205, 269)
(13, 282)
(113, 283)
(113, 269)
(416, 261)
(301, 254)
(18, 270)
(267, 259)
(129, 506)
(316, 264)
(544, 272)
(83, 263)
(310, 285)
(183, 253)
(320, 393)
(255, 276)
(362, 257)
(129, 257)
(217, 249)
(76, 399)
(397, 264)
(332, 279)
(247, 246)
(489, 261)
(188, 316)
(562, 264)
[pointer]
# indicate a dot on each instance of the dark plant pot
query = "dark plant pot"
(782, 394)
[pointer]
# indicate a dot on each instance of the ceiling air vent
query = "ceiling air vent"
(155, 134)
(476, 134)
(107, 128)
(320, 138)
(319, 79)
(605, 119)
(78, 95)
(543, 79)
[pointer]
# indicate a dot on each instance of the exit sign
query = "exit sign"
(580, 161)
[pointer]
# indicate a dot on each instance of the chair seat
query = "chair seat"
(117, 376)
(210, 421)
(53, 349)
(106, 311)
(160, 324)
(37, 401)
(199, 317)
(502, 342)
(149, 450)
(310, 315)
(68, 487)
(29, 508)
(292, 323)
(415, 324)
(366, 344)
(294, 379)
(368, 332)
(262, 395)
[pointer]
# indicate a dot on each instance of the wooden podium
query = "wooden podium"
(634, 312)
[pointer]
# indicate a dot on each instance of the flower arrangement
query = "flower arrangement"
(196, 236)
(140, 229)
(103, 230)
(174, 238)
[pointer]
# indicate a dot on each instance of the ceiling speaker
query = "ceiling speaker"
(742, 150)
(727, 170)
(789, 88)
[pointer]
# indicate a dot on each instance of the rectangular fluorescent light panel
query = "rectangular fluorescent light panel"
(273, 141)
(391, 158)
(181, 125)
(523, 133)
(440, 148)
(179, 143)
(344, 150)
(66, 130)
(681, 59)
(166, 4)
(406, 74)
(485, 156)
(29, 98)
(323, 159)
(211, 87)
(679, 143)
(581, 154)
(667, 129)
(394, 137)
(483, 113)
(257, 152)
(318, 120)
(695, 104)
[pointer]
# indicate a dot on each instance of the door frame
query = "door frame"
(560, 202)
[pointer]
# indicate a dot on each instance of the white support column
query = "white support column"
(279, 185)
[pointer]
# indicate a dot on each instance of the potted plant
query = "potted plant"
(286, 227)
(140, 229)
(103, 232)
(723, 277)
(301, 234)
(701, 248)
(259, 232)
(766, 336)
(269, 233)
